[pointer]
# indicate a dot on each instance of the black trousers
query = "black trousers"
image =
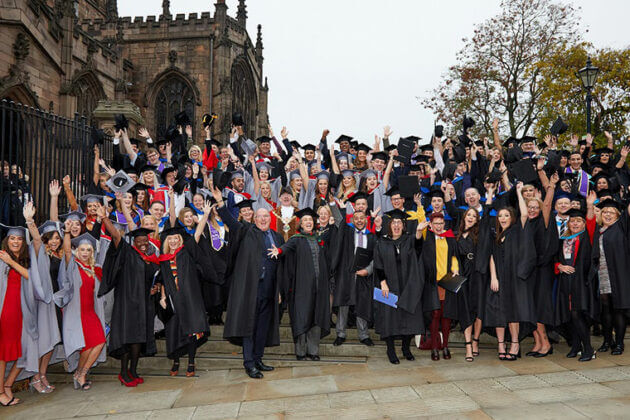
(254, 346)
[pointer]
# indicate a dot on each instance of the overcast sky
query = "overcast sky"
(353, 66)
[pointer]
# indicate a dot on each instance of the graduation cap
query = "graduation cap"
(236, 175)
(527, 139)
(120, 226)
(467, 123)
(93, 198)
(562, 194)
(408, 186)
(139, 232)
(599, 176)
(464, 140)
(565, 153)
(510, 140)
(449, 171)
(609, 202)
(347, 172)
(438, 131)
(167, 171)
(120, 182)
(182, 119)
(368, 173)
(436, 192)
(576, 213)
(73, 215)
(263, 139)
(310, 147)
(323, 175)
(246, 203)
(379, 155)
(405, 150)
(214, 142)
(354, 144)
(494, 176)
(263, 166)
(208, 119)
(176, 230)
(422, 159)
(97, 135)
(169, 135)
(397, 214)
(237, 119)
(220, 179)
(84, 239)
(296, 144)
(390, 147)
(426, 148)
(558, 127)
(414, 139)
(524, 171)
(120, 122)
(414, 167)
(604, 193)
(602, 150)
(479, 143)
(393, 191)
(307, 211)
(248, 147)
(357, 196)
(459, 153)
(180, 184)
(294, 175)
(20, 231)
(342, 156)
(542, 145)
(514, 154)
(342, 138)
(363, 147)
(50, 226)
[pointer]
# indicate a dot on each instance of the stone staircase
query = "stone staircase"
(218, 354)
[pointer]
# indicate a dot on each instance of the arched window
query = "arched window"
(174, 96)
(88, 92)
(244, 96)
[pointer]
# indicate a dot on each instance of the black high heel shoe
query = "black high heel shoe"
(476, 353)
(511, 356)
(604, 347)
(469, 358)
(502, 355)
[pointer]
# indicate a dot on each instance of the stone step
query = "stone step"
(160, 365)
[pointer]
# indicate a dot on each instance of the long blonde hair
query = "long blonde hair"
(166, 249)
(343, 192)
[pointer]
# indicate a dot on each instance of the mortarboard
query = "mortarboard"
(342, 138)
(296, 144)
(393, 191)
(379, 155)
(524, 171)
(576, 213)
(120, 182)
(405, 150)
(73, 215)
(467, 123)
(323, 175)
(263, 139)
(120, 122)
(390, 147)
(84, 239)
(609, 203)
(426, 147)
(245, 203)
(464, 140)
(248, 147)
(139, 232)
(97, 135)
(93, 198)
(558, 127)
(494, 176)
(436, 192)
(347, 172)
(213, 142)
(294, 174)
(439, 131)
(236, 174)
(527, 139)
(514, 154)
(363, 147)
(50, 226)
(414, 139)
(604, 193)
(354, 144)
(20, 231)
(264, 166)
(397, 214)
(408, 186)
(309, 147)
(368, 173)
(510, 140)
(167, 171)
(237, 119)
(176, 230)
(208, 119)
(307, 211)
(602, 150)
(357, 196)
(342, 156)
(182, 119)
(120, 226)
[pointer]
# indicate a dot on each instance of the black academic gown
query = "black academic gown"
(546, 242)
(405, 280)
(350, 289)
(131, 277)
(577, 291)
(189, 313)
(247, 244)
(515, 262)
(306, 291)
(617, 251)
(215, 292)
(430, 295)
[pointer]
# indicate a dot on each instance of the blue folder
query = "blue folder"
(391, 300)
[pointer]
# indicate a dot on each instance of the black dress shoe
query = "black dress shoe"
(263, 367)
(408, 355)
(300, 357)
(313, 357)
(368, 342)
(339, 341)
(587, 357)
(572, 353)
(604, 347)
(531, 353)
(446, 353)
(539, 354)
(435, 355)
(254, 373)
(617, 350)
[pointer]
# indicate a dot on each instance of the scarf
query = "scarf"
(147, 258)
(445, 234)
(215, 237)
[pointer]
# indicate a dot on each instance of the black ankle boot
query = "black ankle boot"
(391, 352)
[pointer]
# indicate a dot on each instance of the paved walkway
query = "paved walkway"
(552, 387)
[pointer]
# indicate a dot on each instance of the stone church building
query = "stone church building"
(68, 56)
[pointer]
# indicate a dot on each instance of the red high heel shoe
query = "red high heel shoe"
(138, 379)
(129, 384)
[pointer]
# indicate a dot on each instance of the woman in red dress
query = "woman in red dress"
(93, 334)
(14, 255)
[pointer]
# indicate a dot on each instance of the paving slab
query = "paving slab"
(183, 413)
(131, 402)
(549, 411)
(604, 408)
(393, 394)
(290, 387)
(522, 382)
(350, 399)
(564, 378)
(216, 411)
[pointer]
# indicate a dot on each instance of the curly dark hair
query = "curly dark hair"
(473, 232)
(499, 230)
(22, 257)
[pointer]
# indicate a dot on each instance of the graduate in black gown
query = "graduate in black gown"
(306, 286)
(611, 248)
(397, 269)
(130, 272)
(353, 285)
(252, 317)
(182, 269)
(512, 265)
(576, 301)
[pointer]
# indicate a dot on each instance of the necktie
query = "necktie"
(361, 239)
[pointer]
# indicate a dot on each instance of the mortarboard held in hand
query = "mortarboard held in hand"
(237, 119)
(558, 127)
(405, 150)
(97, 135)
(182, 119)
(408, 186)
(524, 171)
(208, 119)
(120, 182)
(120, 122)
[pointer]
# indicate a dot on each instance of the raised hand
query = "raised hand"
(270, 130)
(5, 257)
(608, 135)
(207, 207)
(574, 140)
(216, 193)
(591, 198)
(273, 252)
(284, 133)
(54, 188)
(325, 133)
(624, 151)
(189, 132)
(101, 212)
(554, 179)
(143, 132)
(29, 211)
(495, 124)
(387, 131)
(589, 139)
(66, 181)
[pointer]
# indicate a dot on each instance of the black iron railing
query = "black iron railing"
(37, 147)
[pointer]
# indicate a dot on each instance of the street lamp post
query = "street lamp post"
(588, 76)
